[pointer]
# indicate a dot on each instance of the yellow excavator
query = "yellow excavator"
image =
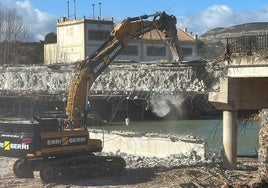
(61, 147)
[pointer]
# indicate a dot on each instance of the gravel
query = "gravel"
(173, 171)
(172, 161)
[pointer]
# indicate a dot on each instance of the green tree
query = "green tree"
(35, 53)
(51, 38)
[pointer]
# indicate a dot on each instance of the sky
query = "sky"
(198, 16)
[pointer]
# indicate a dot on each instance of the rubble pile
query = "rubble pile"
(263, 142)
(176, 160)
(150, 172)
(151, 144)
(29, 79)
(148, 78)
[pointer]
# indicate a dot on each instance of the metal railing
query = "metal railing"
(247, 44)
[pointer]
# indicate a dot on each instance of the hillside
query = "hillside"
(220, 33)
(212, 43)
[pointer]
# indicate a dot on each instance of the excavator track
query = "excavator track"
(54, 169)
(263, 149)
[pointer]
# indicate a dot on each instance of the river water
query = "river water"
(210, 130)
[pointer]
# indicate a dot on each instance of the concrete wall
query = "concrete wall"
(249, 93)
(248, 71)
(192, 56)
(71, 41)
(92, 45)
(245, 85)
(245, 66)
(142, 51)
(241, 94)
(143, 145)
(50, 53)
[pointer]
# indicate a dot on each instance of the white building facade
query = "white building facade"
(78, 39)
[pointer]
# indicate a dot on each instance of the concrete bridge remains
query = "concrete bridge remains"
(131, 81)
(245, 87)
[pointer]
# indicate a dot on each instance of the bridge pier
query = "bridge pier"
(229, 139)
(236, 94)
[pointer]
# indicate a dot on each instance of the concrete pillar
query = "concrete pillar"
(229, 139)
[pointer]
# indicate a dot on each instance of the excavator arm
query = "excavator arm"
(94, 65)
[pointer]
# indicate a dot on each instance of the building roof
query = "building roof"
(158, 35)
(155, 34)
(64, 21)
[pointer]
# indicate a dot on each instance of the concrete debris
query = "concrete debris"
(151, 145)
(150, 78)
(263, 143)
(176, 171)
(34, 79)
(176, 160)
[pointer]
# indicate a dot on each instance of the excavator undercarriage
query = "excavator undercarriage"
(53, 169)
(41, 146)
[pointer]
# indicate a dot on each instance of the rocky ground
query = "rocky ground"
(175, 171)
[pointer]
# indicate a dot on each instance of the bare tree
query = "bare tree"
(1, 22)
(12, 31)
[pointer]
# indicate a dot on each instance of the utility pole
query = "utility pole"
(93, 6)
(68, 6)
(100, 10)
(74, 10)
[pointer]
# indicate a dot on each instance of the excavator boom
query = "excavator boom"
(92, 67)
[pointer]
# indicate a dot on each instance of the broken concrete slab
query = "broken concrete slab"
(151, 145)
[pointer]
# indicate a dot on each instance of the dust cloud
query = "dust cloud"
(162, 104)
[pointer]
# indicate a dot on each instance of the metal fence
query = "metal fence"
(247, 44)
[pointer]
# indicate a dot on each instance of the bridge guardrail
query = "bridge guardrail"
(247, 44)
